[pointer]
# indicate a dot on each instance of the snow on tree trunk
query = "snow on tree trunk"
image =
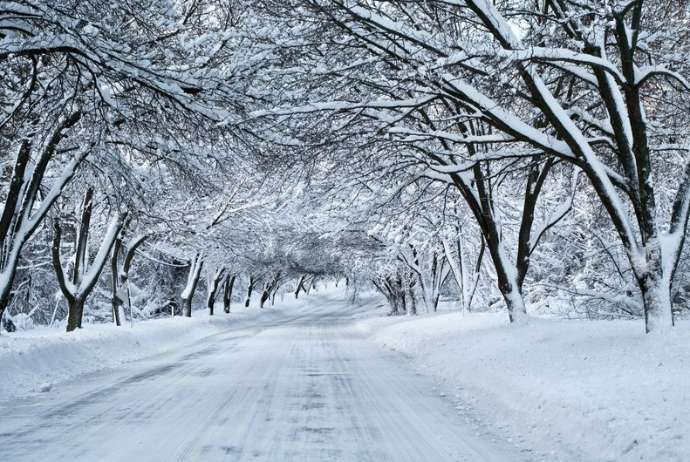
(20, 215)
(410, 301)
(213, 289)
(311, 285)
(116, 302)
(428, 263)
(655, 286)
(84, 278)
(507, 284)
(192, 282)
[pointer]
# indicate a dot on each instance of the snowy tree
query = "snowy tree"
(592, 85)
(127, 88)
(85, 273)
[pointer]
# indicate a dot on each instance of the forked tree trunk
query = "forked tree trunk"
(83, 278)
(270, 288)
(120, 278)
(508, 285)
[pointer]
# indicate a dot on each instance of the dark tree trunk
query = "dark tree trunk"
(300, 286)
(264, 296)
(116, 302)
(250, 288)
(75, 314)
(227, 293)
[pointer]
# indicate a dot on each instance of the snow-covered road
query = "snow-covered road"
(309, 388)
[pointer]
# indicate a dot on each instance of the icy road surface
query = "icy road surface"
(306, 389)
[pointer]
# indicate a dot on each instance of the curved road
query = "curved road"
(306, 389)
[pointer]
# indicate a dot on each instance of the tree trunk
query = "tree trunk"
(264, 296)
(114, 278)
(410, 302)
(124, 274)
(656, 298)
(17, 224)
(507, 283)
(192, 282)
(82, 241)
(83, 281)
(300, 286)
(655, 286)
(210, 301)
(212, 290)
(311, 285)
(187, 307)
(75, 313)
(227, 293)
(250, 288)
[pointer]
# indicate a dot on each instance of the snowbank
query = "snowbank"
(584, 391)
(33, 361)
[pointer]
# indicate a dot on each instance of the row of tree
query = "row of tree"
(507, 154)
(503, 102)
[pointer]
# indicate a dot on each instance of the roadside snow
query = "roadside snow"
(583, 391)
(33, 361)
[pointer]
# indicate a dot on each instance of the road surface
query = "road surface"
(307, 389)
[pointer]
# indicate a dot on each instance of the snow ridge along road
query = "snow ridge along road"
(309, 388)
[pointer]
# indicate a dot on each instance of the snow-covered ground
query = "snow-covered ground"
(33, 361)
(301, 388)
(581, 391)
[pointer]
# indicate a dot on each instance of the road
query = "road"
(307, 389)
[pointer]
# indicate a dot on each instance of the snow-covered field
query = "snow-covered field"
(33, 361)
(584, 391)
